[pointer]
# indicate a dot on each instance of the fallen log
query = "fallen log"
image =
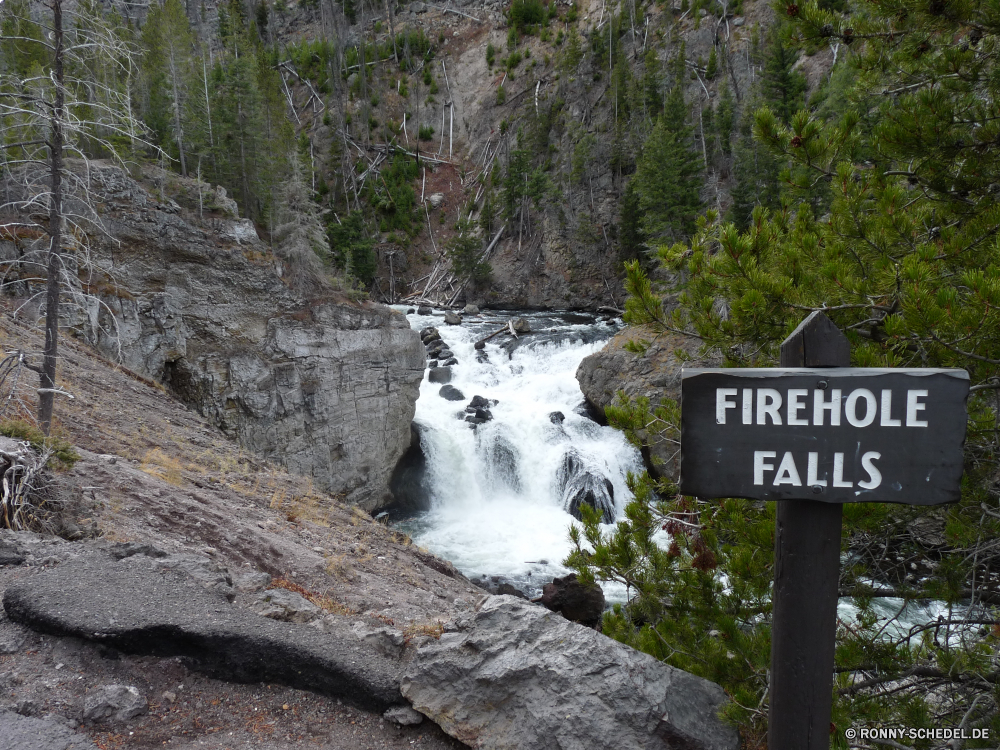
(481, 344)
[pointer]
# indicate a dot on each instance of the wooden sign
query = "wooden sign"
(840, 435)
(815, 434)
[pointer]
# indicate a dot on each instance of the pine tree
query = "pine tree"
(756, 178)
(712, 68)
(631, 238)
(168, 74)
(725, 118)
(299, 236)
(652, 98)
(906, 263)
(783, 87)
(254, 140)
(668, 178)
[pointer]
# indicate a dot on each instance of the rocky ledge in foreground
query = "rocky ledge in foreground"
(29, 733)
(519, 676)
(139, 607)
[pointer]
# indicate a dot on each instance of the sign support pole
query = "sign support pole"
(806, 578)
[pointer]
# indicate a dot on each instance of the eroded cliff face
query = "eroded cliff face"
(190, 296)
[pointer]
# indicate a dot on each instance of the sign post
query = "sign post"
(814, 434)
(806, 578)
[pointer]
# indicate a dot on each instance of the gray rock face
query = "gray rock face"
(113, 703)
(655, 375)
(137, 607)
(27, 733)
(327, 388)
(513, 676)
(387, 641)
(286, 606)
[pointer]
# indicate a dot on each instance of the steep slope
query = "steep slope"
(420, 123)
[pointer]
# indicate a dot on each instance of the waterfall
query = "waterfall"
(509, 450)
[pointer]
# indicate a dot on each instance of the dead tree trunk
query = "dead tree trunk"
(49, 353)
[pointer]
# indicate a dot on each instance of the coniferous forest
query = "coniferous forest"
(743, 186)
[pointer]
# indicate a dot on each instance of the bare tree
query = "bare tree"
(65, 79)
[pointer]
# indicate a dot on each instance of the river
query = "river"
(500, 491)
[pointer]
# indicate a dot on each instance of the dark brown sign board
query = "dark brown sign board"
(815, 434)
(835, 434)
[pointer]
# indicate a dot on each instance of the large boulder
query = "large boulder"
(520, 677)
(439, 375)
(451, 393)
(656, 374)
(582, 603)
(452, 318)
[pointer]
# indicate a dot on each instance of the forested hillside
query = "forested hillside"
(407, 138)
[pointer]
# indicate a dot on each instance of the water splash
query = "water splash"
(500, 491)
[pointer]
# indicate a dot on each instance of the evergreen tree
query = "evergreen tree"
(652, 96)
(254, 139)
(299, 236)
(725, 118)
(906, 263)
(668, 178)
(168, 76)
(783, 88)
(755, 183)
(712, 68)
(631, 238)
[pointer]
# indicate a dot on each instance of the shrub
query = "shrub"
(525, 13)
(491, 54)
(62, 450)
(426, 132)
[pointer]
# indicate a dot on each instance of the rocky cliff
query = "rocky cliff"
(184, 292)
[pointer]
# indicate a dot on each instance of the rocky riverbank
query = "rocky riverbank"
(211, 599)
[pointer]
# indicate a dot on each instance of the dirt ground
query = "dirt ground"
(160, 474)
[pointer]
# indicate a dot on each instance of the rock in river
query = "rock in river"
(574, 600)
(439, 375)
(451, 393)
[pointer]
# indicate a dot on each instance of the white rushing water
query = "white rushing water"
(498, 490)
